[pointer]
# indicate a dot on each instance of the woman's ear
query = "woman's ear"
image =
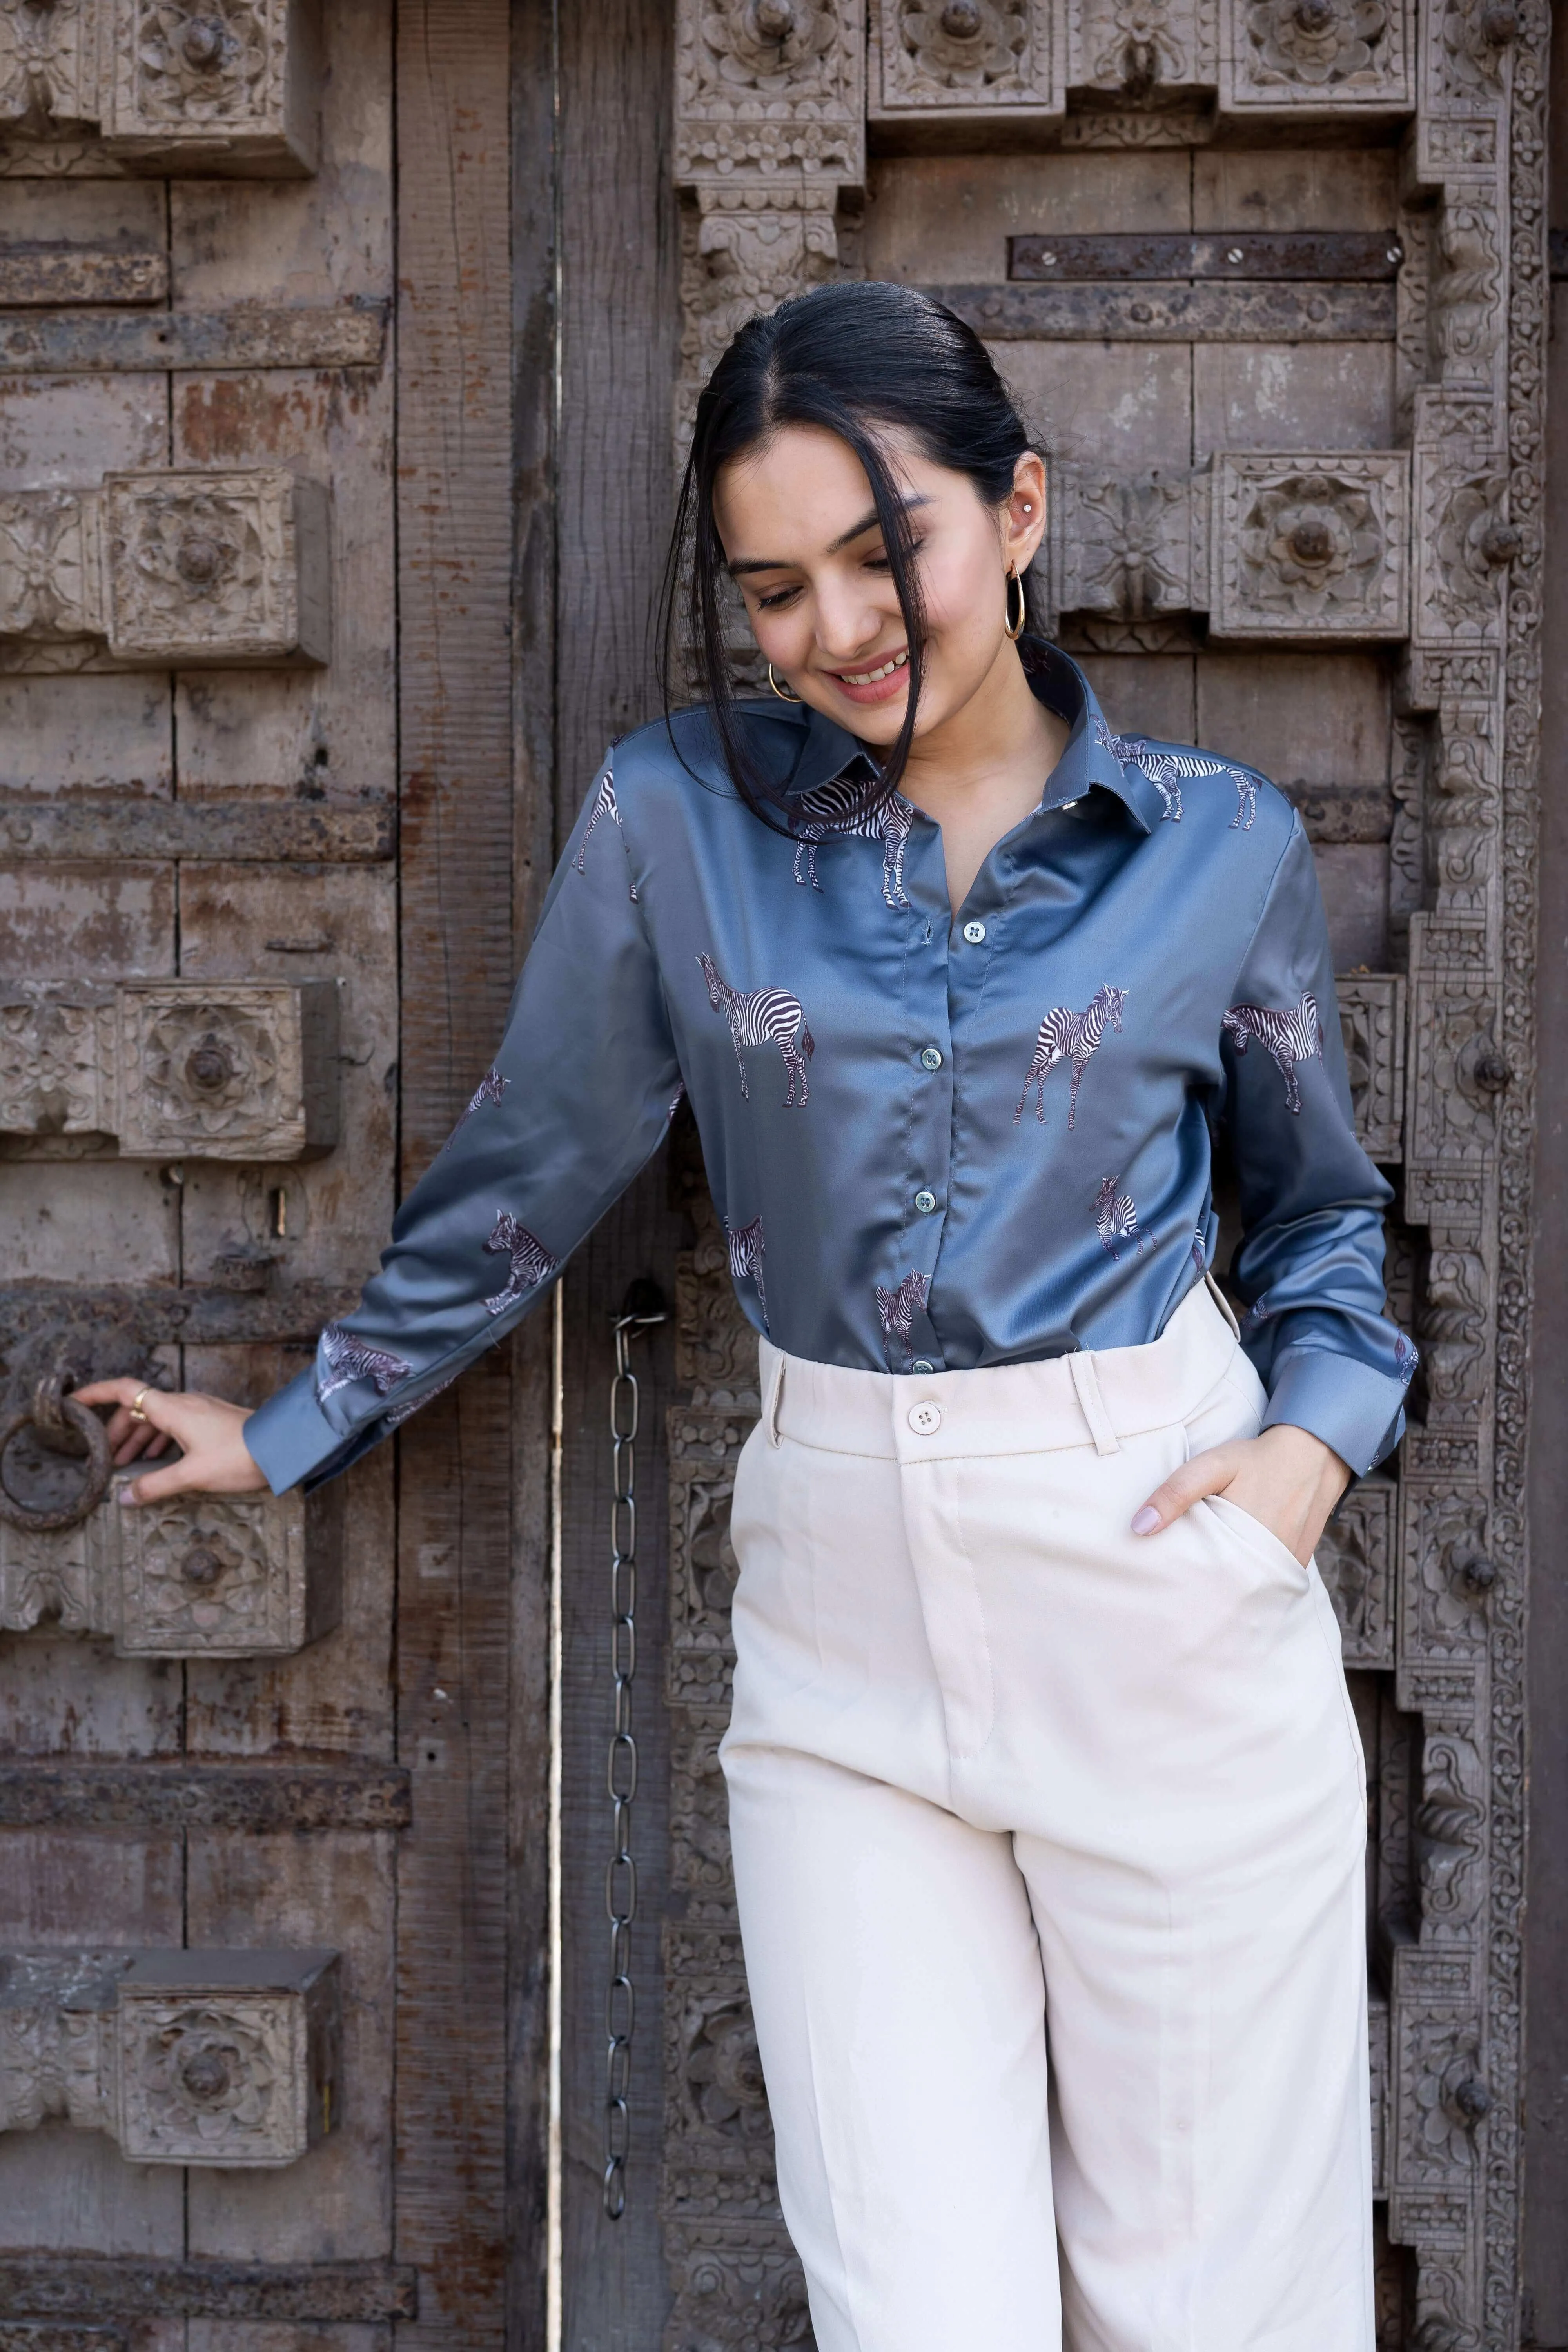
(1024, 524)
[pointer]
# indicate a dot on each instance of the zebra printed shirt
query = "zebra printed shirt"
(937, 1142)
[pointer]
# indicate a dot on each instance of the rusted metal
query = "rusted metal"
(1327, 255)
(353, 336)
(171, 1794)
(95, 2288)
(1333, 814)
(125, 827)
(154, 1314)
(76, 273)
(1319, 311)
(47, 1408)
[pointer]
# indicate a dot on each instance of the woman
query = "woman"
(1047, 1801)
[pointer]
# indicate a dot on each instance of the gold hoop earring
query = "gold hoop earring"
(1015, 628)
(781, 691)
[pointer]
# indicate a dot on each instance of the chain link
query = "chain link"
(620, 1874)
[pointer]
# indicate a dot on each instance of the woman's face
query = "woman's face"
(799, 529)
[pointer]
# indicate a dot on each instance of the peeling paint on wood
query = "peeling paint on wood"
(64, 273)
(353, 337)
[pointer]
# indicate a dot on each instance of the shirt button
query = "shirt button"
(931, 1058)
(925, 1418)
(975, 933)
(922, 1364)
(925, 1203)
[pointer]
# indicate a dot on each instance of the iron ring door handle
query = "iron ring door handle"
(47, 1410)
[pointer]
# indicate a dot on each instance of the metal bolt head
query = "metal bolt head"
(962, 20)
(201, 1567)
(206, 2074)
(1498, 25)
(197, 558)
(774, 19)
(1472, 2099)
(1311, 541)
(1491, 1070)
(1477, 1574)
(1235, 253)
(1048, 261)
(209, 1065)
(1501, 541)
(201, 43)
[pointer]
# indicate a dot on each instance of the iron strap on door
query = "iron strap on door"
(644, 1309)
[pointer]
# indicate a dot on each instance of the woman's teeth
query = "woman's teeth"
(874, 676)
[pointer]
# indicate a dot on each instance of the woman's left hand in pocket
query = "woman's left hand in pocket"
(1286, 1477)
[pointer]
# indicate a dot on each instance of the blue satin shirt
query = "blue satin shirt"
(936, 1141)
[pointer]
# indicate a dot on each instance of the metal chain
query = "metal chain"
(620, 1875)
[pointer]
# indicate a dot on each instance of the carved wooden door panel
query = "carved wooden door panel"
(1270, 274)
(221, 1941)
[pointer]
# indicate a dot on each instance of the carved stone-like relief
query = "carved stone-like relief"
(1142, 49)
(961, 58)
(1458, 1071)
(1355, 1560)
(224, 1070)
(1123, 544)
(1316, 55)
(211, 1576)
(768, 89)
(1466, 288)
(1310, 549)
(229, 2058)
(166, 569)
(1371, 1023)
(1464, 540)
(218, 87)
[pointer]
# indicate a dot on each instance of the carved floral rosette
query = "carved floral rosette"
(962, 60)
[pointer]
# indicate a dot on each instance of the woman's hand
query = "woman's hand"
(213, 1459)
(1286, 1477)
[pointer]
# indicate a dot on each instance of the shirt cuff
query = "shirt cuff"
(290, 1437)
(1359, 1411)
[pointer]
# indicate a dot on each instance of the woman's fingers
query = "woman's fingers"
(1206, 1473)
(180, 1477)
(214, 1459)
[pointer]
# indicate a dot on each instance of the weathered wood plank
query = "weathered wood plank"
(71, 2286)
(233, 830)
(184, 340)
(174, 1793)
(455, 561)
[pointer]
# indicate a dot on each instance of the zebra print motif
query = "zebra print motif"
(1166, 770)
(898, 1308)
(1115, 1217)
(605, 803)
(1292, 1036)
(1068, 1037)
(1199, 1259)
(397, 1414)
(1406, 1357)
(348, 1359)
(532, 1263)
(764, 1016)
(676, 1099)
(829, 812)
(490, 1088)
(746, 1248)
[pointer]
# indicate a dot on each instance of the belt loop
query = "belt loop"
(775, 1399)
(1086, 1381)
(1222, 1303)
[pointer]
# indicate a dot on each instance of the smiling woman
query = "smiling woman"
(1038, 1708)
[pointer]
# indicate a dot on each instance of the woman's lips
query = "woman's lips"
(875, 681)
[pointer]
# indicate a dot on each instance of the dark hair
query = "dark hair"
(851, 357)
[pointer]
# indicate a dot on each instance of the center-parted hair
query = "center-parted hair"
(863, 360)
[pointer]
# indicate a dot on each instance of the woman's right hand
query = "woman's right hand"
(213, 1456)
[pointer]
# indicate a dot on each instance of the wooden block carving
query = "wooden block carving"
(1464, 540)
(704, 1449)
(1371, 1023)
(1355, 1560)
(770, 90)
(1123, 544)
(1440, 2099)
(1457, 1073)
(195, 1069)
(216, 2058)
(1316, 56)
(1310, 548)
(201, 1576)
(184, 568)
(1139, 47)
(1462, 84)
(231, 86)
(970, 60)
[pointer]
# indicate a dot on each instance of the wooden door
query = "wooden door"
(1270, 274)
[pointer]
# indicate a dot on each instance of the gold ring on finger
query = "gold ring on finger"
(136, 1412)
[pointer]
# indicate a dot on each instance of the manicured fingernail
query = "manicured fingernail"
(1145, 1521)
(128, 1497)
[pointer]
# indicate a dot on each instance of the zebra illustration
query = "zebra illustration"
(490, 1088)
(1166, 770)
(348, 1359)
(763, 1016)
(532, 1263)
(746, 1247)
(830, 812)
(676, 1099)
(1200, 1258)
(1068, 1037)
(1115, 1217)
(605, 803)
(1292, 1036)
(898, 1308)
(1406, 1357)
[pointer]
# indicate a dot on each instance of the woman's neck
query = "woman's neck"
(981, 772)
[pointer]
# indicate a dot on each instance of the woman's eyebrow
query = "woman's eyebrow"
(846, 537)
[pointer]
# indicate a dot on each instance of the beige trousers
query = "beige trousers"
(1049, 1843)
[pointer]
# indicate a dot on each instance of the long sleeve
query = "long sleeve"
(1310, 1267)
(577, 1101)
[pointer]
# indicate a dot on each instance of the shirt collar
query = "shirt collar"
(1092, 755)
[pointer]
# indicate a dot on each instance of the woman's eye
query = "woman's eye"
(769, 604)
